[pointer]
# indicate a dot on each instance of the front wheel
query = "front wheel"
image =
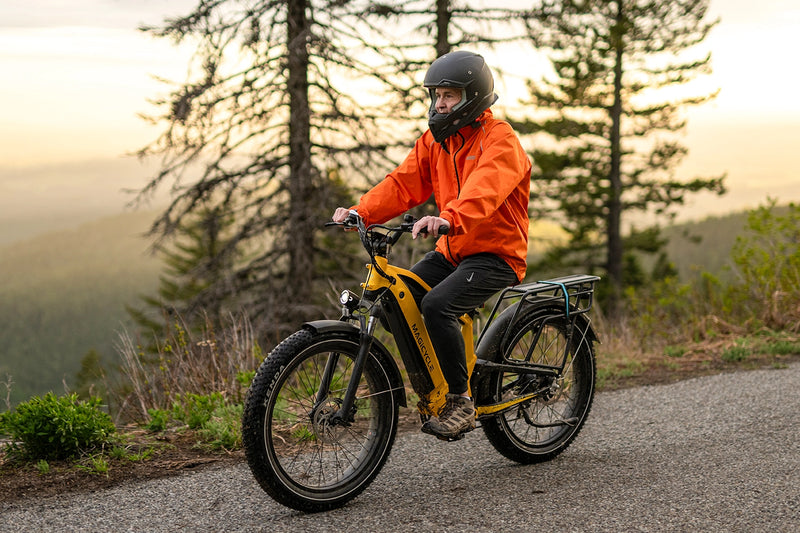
(540, 429)
(297, 452)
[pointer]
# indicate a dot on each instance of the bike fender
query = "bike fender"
(384, 356)
(489, 347)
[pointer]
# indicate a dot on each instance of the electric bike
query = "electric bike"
(322, 412)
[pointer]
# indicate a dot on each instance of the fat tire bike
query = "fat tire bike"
(322, 412)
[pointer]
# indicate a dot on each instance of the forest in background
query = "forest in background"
(64, 293)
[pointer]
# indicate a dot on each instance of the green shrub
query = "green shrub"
(194, 410)
(158, 420)
(224, 429)
(53, 427)
(767, 256)
(43, 467)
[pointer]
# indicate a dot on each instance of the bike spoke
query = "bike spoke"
(309, 446)
(541, 427)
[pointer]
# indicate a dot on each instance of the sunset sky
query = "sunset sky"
(75, 73)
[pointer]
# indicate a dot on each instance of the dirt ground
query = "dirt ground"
(176, 452)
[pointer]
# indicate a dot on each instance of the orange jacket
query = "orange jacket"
(481, 184)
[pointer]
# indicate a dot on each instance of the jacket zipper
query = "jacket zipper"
(458, 194)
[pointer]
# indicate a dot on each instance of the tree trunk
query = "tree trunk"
(301, 223)
(614, 251)
(442, 27)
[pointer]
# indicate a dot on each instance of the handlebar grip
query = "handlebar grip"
(443, 230)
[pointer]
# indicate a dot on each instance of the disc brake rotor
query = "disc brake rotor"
(322, 421)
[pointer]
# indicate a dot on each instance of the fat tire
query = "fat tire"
(271, 453)
(508, 432)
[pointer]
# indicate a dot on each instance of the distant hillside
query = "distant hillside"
(705, 246)
(63, 294)
(694, 247)
(40, 199)
(711, 249)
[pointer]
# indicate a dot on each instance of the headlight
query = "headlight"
(348, 299)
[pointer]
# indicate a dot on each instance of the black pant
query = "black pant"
(455, 291)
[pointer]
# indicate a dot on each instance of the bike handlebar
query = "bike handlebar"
(378, 243)
(354, 221)
(408, 219)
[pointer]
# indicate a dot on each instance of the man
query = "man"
(479, 175)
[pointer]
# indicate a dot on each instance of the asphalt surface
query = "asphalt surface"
(717, 453)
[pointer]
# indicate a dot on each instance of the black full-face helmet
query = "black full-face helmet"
(470, 73)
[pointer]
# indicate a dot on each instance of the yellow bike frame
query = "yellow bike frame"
(392, 279)
(405, 322)
(383, 276)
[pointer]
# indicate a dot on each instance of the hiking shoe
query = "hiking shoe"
(457, 417)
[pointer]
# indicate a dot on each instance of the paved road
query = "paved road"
(718, 453)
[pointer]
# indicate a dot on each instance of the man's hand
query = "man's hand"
(340, 214)
(431, 224)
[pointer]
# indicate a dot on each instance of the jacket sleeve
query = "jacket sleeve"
(405, 187)
(502, 166)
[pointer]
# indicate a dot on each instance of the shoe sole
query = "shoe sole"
(445, 436)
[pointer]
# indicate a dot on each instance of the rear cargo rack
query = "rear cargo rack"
(574, 294)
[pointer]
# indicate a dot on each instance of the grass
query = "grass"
(194, 369)
(736, 353)
(781, 346)
(95, 464)
(675, 351)
(618, 365)
(141, 453)
(210, 421)
(213, 423)
(42, 466)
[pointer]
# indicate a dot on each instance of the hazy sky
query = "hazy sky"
(75, 73)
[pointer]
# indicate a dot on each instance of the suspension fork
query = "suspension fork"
(325, 383)
(344, 415)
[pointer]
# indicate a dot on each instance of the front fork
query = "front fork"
(344, 415)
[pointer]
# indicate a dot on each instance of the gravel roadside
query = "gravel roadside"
(717, 453)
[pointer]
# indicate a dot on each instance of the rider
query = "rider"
(479, 175)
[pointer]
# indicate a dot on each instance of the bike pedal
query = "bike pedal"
(451, 439)
(447, 438)
(444, 438)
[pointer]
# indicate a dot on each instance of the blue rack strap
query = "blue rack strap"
(566, 294)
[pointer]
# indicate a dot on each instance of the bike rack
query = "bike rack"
(575, 293)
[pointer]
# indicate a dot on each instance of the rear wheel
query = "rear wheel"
(540, 429)
(298, 454)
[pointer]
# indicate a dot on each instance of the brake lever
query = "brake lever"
(349, 223)
(408, 225)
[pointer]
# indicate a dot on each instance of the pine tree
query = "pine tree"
(195, 283)
(612, 109)
(280, 97)
(254, 133)
(90, 379)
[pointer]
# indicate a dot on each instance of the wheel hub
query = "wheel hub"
(326, 426)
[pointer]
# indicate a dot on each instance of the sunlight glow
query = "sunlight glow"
(73, 92)
(76, 91)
